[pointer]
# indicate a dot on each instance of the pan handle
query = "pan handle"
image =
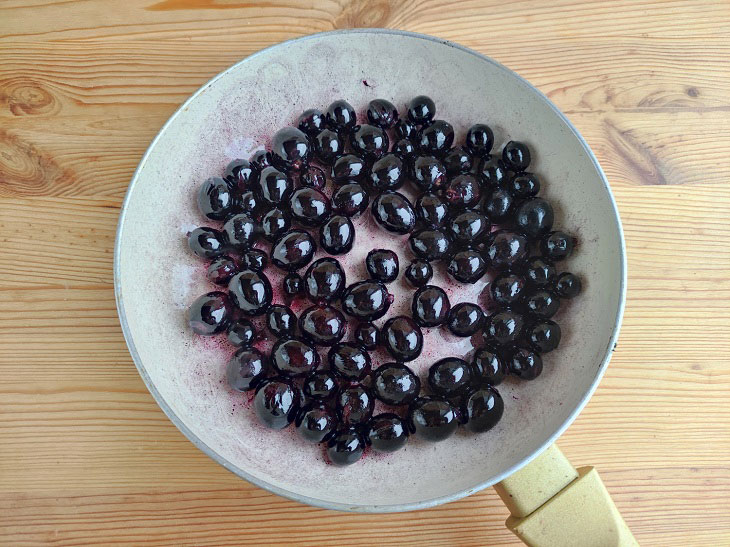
(552, 504)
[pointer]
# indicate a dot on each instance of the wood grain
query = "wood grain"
(87, 457)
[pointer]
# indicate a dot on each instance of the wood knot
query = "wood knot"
(26, 171)
(364, 14)
(26, 97)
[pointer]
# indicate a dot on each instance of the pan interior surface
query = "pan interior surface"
(156, 278)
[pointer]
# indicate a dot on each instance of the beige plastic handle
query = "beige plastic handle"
(553, 504)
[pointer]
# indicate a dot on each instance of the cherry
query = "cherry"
(402, 338)
(395, 384)
(276, 402)
(294, 357)
(382, 113)
(210, 313)
(387, 432)
(246, 369)
(430, 306)
(251, 292)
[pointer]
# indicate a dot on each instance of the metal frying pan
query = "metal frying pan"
(231, 116)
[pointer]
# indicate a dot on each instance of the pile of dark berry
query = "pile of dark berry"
(475, 213)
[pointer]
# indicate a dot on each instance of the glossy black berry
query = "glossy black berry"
(516, 156)
(313, 177)
(382, 113)
(251, 292)
(507, 249)
(542, 303)
(428, 172)
(239, 232)
(479, 140)
(325, 280)
(433, 419)
(341, 116)
(349, 168)
(281, 321)
(345, 447)
(465, 319)
(367, 336)
(568, 285)
(323, 325)
(309, 206)
(395, 384)
(328, 146)
(274, 223)
(523, 186)
(493, 173)
(557, 245)
(507, 289)
(394, 212)
(241, 173)
(467, 266)
(274, 186)
(524, 363)
(337, 235)
(430, 306)
(387, 173)
(539, 272)
(463, 191)
(216, 199)
(504, 327)
(276, 403)
(431, 210)
(402, 337)
(387, 432)
(419, 272)
(246, 369)
(498, 204)
(369, 141)
(457, 160)
(484, 408)
(534, 217)
(241, 333)
(254, 259)
(469, 228)
(405, 129)
(449, 377)
(315, 423)
(249, 202)
(437, 138)
(421, 110)
(311, 121)
(382, 265)
(355, 405)
(405, 149)
(210, 313)
(290, 149)
(430, 244)
(293, 284)
(294, 357)
(206, 242)
(350, 200)
(366, 300)
(349, 361)
(543, 336)
(260, 160)
(293, 250)
(487, 367)
(320, 385)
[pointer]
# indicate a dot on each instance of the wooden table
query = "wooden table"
(86, 456)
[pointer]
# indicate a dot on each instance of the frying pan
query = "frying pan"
(156, 279)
